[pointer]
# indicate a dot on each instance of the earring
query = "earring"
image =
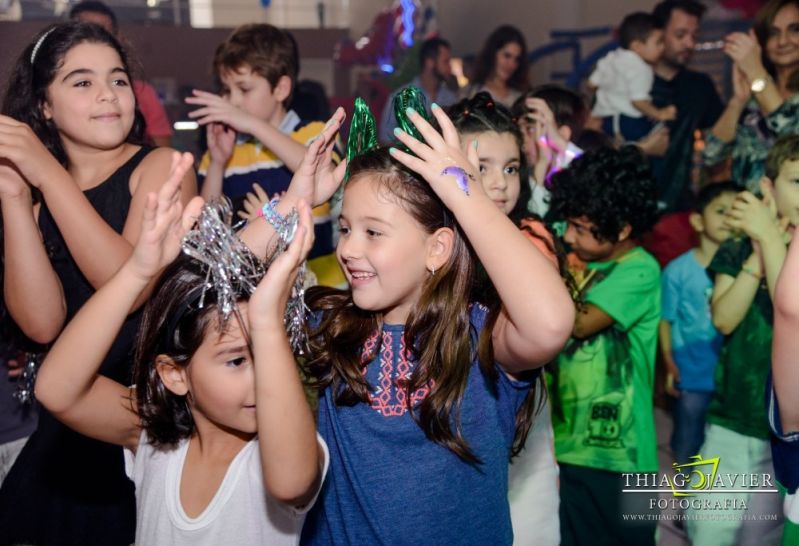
(432, 271)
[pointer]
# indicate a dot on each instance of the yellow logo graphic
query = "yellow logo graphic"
(697, 475)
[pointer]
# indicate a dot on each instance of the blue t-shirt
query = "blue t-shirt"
(388, 484)
(695, 342)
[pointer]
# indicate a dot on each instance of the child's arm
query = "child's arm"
(32, 291)
(216, 109)
(98, 250)
(315, 181)
(732, 296)
(785, 348)
(646, 107)
(291, 457)
(68, 383)
(538, 313)
(672, 371)
(758, 220)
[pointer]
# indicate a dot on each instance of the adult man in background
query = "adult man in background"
(693, 93)
(435, 71)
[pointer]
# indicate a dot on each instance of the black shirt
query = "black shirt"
(698, 107)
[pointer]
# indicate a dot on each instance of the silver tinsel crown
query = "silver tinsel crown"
(234, 271)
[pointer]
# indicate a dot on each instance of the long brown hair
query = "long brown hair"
(437, 331)
(764, 19)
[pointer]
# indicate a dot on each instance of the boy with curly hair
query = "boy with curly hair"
(603, 380)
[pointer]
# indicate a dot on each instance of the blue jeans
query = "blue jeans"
(689, 423)
(632, 129)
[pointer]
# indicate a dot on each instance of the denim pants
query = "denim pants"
(689, 412)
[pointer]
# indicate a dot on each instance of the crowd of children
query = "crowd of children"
(472, 359)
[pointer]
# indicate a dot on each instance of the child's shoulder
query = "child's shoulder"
(683, 264)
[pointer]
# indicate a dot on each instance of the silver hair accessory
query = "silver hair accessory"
(233, 270)
(39, 43)
(27, 379)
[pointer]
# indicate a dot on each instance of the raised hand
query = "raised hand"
(755, 217)
(317, 179)
(164, 222)
(221, 141)
(20, 146)
(216, 109)
(268, 303)
(744, 50)
(439, 160)
(253, 202)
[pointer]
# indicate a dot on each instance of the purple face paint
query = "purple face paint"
(460, 177)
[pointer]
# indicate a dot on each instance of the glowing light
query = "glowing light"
(387, 68)
(408, 8)
(185, 125)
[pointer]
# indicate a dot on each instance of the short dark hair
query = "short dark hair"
(662, 11)
(712, 190)
(785, 149)
(94, 6)
(430, 48)
(636, 27)
(612, 188)
(568, 107)
(266, 49)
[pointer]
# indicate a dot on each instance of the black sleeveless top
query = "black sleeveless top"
(65, 488)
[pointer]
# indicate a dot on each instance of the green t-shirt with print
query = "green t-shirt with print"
(601, 386)
(745, 359)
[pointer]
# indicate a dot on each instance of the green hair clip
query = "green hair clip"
(363, 132)
(410, 97)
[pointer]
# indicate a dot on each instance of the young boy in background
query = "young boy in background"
(689, 343)
(623, 79)
(746, 268)
(602, 382)
(253, 139)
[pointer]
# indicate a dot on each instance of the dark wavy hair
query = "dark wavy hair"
(26, 90)
(612, 188)
(762, 26)
(480, 114)
(172, 325)
(487, 59)
(438, 331)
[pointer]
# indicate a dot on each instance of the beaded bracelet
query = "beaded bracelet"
(271, 215)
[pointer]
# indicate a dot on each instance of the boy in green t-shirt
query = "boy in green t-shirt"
(602, 382)
(745, 271)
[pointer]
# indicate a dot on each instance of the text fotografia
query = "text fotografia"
(698, 477)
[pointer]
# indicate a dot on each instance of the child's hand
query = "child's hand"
(268, 303)
(221, 141)
(317, 179)
(216, 109)
(672, 378)
(440, 161)
(667, 113)
(752, 216)
(163, 225)
(20, 146)
(253, 203)
(546, 126)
